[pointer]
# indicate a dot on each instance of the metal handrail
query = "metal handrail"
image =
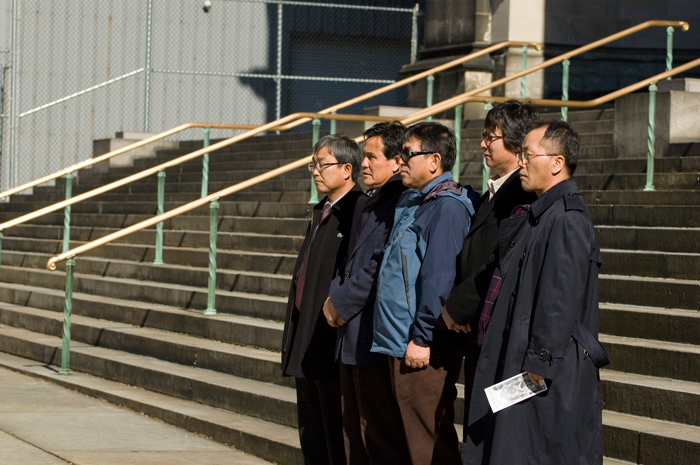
(285, 127)
(435, 109)
(114, 153)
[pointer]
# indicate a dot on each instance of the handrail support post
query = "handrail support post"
(485, 170)
(565, 88)
(651, 139)
(67, 310)
(205, 164)
(523, 80)
(159, 227)
(316, 124)
(213, 229)
(669, 49)
(430, 80)
(458, 141)
(333, 123)
(67, 213)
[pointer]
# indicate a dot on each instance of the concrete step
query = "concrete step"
(675, 197)
(661, 324)
(645, 441)
(651, 263)
(652, 397)
(653, 358)
(638, 165)
(650, 291)
(246, 363)
(236, 329)
(665, 239)
(271, 441)
(683, 216)
(176, 295)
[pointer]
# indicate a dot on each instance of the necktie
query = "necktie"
(301, 277)
(495, 287)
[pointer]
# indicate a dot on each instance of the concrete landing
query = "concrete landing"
(42, 423)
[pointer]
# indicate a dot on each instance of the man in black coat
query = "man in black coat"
(505, 128)
(545, 320)
(308, 346)
(371, 418)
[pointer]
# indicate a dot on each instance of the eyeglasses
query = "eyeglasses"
(524, 157)
(321, 166)
(488, 138)
(407, 155)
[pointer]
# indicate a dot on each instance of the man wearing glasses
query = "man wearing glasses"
(545, 319)
(415, 278)
(308, 342)
(505, 128)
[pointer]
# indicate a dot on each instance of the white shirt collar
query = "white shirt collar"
(495, 183)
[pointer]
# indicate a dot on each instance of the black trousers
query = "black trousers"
(320, 421)
(372, 424)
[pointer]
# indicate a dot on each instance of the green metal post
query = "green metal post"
(67, 310)
(565, 88)
(458, 141)
(1, 236)
(316, 124)
(669, 49)
(429, 94)
(159, 227)
(485, 170)
(334, 128)
(523, 80)
(651, 138)
(211, 290)
(205, 165)
(66, 213)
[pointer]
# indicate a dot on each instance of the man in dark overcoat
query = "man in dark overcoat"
(308, 346)
(505, 128)
(545, 320)
(371, 418)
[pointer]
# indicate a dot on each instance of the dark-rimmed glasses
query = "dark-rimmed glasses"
(524, 157)
(407, 155)
(321, 166)
(488, 138)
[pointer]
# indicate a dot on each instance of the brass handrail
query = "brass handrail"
(454, 101)
(437, 108)
(114, 153)
(183, 127)
(176, 161)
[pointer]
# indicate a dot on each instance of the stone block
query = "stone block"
(675, 121)
(123, 139)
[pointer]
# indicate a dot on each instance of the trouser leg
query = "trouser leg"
(320, 422)
(426, 401)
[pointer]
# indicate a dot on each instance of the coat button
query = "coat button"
(514, 293)
(511, 245)
(347, 275)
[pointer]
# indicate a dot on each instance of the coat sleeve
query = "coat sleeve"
(350, 294)
(561, 292)
(444, 235)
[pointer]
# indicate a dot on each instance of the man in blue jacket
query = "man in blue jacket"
(371, 419)
(415, 278)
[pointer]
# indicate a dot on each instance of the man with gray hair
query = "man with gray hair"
(308, 345)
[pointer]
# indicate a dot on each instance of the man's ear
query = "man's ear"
(558, 164)
(435, 162)
(347, 171)
(395, 164)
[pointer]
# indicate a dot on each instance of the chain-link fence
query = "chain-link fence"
(80, 70)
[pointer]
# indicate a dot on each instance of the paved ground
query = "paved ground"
(42, 423)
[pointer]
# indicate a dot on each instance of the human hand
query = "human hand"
(417, 356)
(331, 314)
(535, 378)
(451, 324)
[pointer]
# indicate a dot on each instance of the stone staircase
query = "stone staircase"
(138, 328)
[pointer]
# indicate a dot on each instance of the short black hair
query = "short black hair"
(515, 119)
(391, 134)
(435, 137)
(560, 138)
(344, 149)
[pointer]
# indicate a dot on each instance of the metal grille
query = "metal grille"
(85, 69)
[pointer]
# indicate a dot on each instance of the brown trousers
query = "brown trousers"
(426, 399)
